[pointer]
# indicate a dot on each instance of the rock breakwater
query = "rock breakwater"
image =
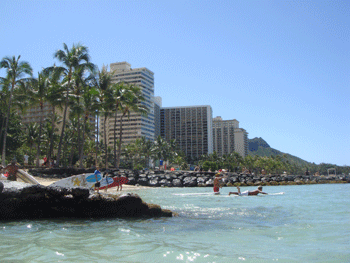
(202, 179)
(206, 179)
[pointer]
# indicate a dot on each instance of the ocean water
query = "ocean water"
(306, 223)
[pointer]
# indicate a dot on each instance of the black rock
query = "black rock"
(132, 181)
(25, 201)
(177, 183)
(165, 182)
(190, 181)
(153, 182)
(142, 181)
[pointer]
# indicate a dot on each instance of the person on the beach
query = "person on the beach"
(26, 157)
(45, 161)
(246, 193)
(51, 163)
(105, 177)
(217, 185)
(120, 186)
(12, 170)
(97, 184)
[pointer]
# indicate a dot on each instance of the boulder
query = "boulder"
(26, 201)
(153, 182)
(201, 180)
(177, 183)
(190, 181)
(142, 181)
(132, 181)
(165, 182)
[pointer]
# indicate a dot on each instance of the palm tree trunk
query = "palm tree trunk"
(71, 157)
(64, 155)
(105, 139)
(2, 126)
(39, 137)
(114, 138)
(6, 126)
(51, 135)
(97, 138)
(79, 144)
(120, 140)
(82, 148)
(64, 122)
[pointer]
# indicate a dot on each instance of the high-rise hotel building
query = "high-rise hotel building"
(228, 137)
(34, 114)
(190, 126)
(136, 126)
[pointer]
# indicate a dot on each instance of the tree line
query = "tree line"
(79, 89)
(274, 164)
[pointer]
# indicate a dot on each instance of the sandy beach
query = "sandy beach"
(126, 188)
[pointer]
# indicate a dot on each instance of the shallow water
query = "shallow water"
(308, 223)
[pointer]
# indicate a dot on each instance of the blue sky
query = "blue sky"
(281, 68)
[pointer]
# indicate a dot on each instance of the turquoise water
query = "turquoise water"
(308, 223)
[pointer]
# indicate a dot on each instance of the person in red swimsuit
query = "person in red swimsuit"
(217, 180)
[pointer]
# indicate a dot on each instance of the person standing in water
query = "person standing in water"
(246, 193)
(217, 185)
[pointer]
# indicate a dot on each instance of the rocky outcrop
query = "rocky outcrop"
(24, 201)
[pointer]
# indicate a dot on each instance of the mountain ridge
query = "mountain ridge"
(258, 146)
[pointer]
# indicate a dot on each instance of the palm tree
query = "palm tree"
(161, 149)
(55, 99)
(4, 94)
(103, 85)
(73, 59)
(90, 105)
(50, 134)
(146, 149)
(131, 102)
(78, 83)
(15, 72)
(107, 104)
(118, 95)
(31, 135)
(39, 94)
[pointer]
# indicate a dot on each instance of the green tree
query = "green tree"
(131, 103)
(40, 88)
(160, 149)
(76, 58)
(31, 135)
(102, 81)
(16, 72)
(90, 106)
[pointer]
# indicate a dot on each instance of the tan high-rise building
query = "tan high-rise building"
(190, 126)
(135, 126)
(34, 113)
(228, 137)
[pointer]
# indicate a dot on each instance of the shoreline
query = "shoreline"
(48, 181)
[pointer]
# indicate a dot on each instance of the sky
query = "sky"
(281, 68)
